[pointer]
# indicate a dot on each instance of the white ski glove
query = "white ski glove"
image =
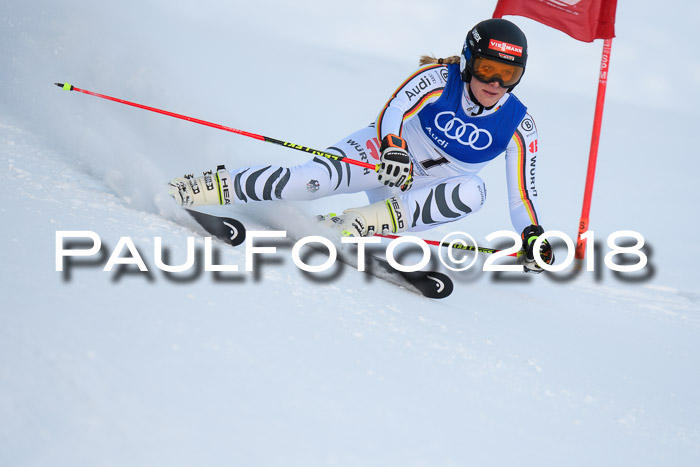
(396, 168)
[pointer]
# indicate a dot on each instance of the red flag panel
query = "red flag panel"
(585, 20)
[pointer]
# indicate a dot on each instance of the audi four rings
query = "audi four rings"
(455, 129)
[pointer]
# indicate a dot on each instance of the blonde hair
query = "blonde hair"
(429, 59)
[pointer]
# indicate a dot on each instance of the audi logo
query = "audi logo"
(455, 129)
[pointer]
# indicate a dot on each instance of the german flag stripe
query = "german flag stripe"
(420, 104)
(523, 174)
(398, 90)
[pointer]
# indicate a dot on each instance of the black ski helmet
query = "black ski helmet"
(497, 39)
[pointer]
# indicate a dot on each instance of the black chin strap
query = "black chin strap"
(473, 98)
(481, 108)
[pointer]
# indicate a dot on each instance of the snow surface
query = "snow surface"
(275, 367)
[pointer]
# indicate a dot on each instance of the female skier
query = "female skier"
(437, 131)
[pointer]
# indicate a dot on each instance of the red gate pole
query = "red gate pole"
(593, 155)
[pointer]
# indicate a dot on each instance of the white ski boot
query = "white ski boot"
(211, 188)
(383, 217)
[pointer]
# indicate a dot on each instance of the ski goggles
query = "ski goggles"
(487, 70)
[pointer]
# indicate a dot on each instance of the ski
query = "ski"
(226, 229)
(431, 284)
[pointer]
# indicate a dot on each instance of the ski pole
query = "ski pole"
(315, 152)
(457, 246)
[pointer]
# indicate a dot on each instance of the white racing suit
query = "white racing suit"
(450, 138)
